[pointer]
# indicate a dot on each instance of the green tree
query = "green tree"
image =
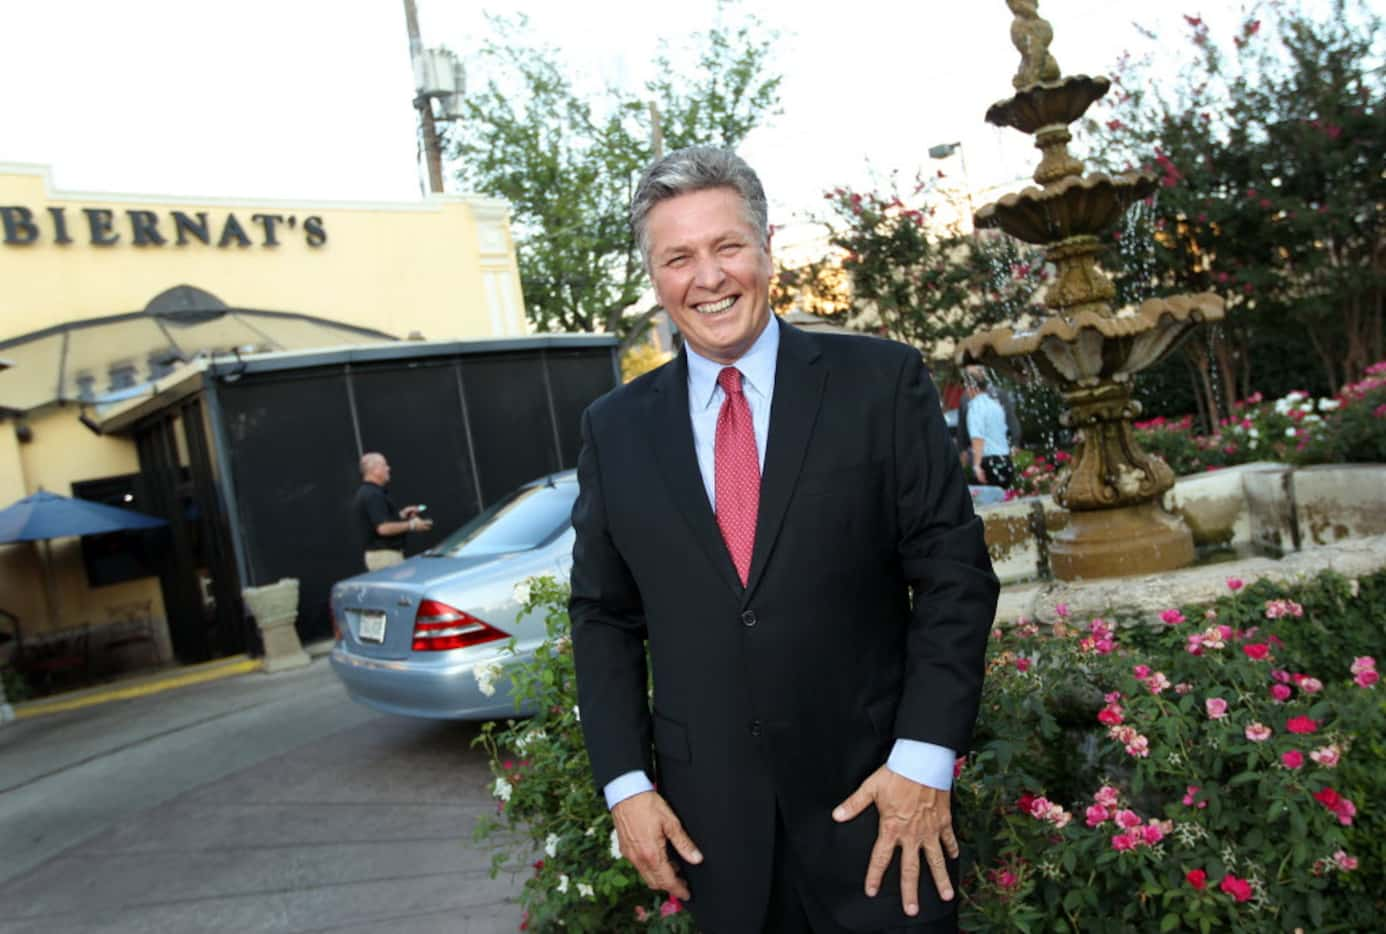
(568, 163)
(1269, 152)
(922, 282)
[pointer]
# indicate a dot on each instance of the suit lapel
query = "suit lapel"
(672, 433)
(799, 380)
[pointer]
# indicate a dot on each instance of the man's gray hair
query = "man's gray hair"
(697, 168)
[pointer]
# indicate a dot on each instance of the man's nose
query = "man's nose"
(707, 272)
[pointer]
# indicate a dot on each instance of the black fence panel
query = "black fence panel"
(294, 458)
(511, 421)
(577, 378)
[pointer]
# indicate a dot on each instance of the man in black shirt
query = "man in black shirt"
(383, 527)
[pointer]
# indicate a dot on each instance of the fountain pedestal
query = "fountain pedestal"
(1142, 539)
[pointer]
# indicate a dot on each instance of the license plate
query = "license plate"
(370, 625)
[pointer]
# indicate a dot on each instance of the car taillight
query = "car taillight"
(439, 627)
(336, 627)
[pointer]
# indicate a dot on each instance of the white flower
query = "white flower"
(615, 844)
(562, 885)
(502, 789)
(585, 890)
(521, 592)
(486, 674)
(1313, 418)
(577, 714)
(529, 739)
(1289, 432)
(1254, 432)
(551, 845)
(1328, 405)
(590, 832)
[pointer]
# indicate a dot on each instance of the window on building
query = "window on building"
(117, 557)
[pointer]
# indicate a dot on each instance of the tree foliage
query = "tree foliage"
(1269, 152)
(926, 283)
(568, 161)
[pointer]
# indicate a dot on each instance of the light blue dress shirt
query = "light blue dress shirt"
(926, 763)
(986, 419)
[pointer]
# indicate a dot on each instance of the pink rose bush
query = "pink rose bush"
(1221, 772)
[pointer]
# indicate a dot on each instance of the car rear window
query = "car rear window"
(523, 520)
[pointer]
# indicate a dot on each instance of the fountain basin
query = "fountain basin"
(1089, 347)
(1048, 103)
(1074, 206)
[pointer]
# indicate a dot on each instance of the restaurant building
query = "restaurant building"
(154, 342)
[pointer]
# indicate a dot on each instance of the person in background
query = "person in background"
(986, 427)
(383, 527)
(1000, 394)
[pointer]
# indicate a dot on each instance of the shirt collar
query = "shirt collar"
(757, 367)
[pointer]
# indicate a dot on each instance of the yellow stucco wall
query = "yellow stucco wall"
(62, 451)
(444, 267)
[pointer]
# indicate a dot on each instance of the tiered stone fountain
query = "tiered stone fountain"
(1090, 351)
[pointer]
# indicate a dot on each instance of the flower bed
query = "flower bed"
(1217, 770)
(1296, 429)
(1210, 772)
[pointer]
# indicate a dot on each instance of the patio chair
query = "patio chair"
(59, 662)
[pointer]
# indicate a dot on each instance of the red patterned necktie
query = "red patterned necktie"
(737, 470)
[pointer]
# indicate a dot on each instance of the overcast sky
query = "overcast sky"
(310, 99)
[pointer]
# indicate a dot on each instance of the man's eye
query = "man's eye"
(729, 248)
(676, 261)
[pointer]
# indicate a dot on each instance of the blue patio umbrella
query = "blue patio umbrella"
(47, 515)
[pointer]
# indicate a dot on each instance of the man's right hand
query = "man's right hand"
(644, 825)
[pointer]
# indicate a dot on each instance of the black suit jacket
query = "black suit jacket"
(789, 692)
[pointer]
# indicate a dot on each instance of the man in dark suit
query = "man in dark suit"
(781, 517)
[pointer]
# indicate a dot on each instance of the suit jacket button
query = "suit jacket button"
(755, 727)
(748, 619)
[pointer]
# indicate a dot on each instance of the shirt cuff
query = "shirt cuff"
(924, 763)
(628, 786)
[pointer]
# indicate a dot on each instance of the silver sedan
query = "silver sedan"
(430, 637)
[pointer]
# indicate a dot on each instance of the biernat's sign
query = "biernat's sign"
(105, 227)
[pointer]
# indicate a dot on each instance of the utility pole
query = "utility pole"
(657, 131)
(423, 104)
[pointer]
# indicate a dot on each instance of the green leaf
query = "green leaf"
(1169, 922)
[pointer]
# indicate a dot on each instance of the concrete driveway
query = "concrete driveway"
(258, 803)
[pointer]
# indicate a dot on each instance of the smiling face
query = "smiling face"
(711, 271)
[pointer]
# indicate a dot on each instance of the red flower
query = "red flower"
(1197, 878)
(1239, 889)
(1022, 665)
(1292, 759)
(1301, 724)
(1328, 798)
(1256, 651)
(671, 907)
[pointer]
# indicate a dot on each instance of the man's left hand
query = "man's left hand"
(912, 817)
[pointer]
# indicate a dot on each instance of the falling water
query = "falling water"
(1136, 250)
